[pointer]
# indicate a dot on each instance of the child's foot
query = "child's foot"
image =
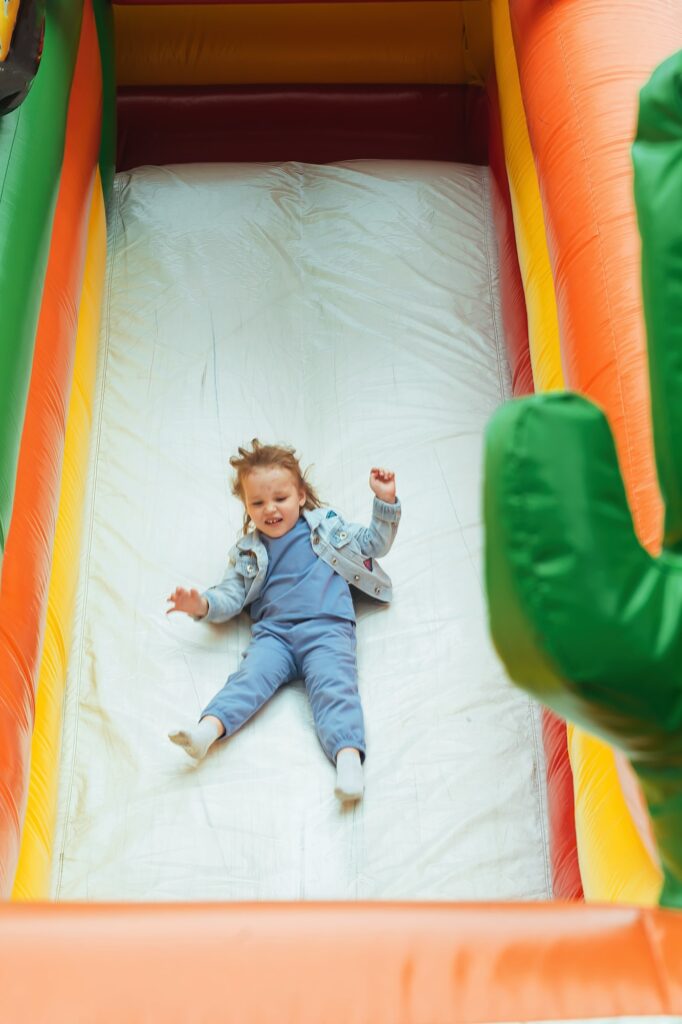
(349, 781)
(196, 741)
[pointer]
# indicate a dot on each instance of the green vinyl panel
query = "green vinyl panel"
(107, 154)
(31, 153)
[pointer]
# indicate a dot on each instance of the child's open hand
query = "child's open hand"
(189, 601)
(382, 482)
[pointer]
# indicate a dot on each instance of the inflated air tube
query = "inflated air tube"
(509, 962)
(46, 348)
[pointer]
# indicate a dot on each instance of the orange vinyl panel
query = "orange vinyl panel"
(218, 44)
(336, 962)
(581, 67)
(28, 556)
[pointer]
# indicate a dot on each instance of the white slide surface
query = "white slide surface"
(350, 310)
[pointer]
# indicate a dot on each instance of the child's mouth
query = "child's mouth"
(272, 522)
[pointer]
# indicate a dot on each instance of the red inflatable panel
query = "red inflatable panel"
(313, 124)
(566, 881)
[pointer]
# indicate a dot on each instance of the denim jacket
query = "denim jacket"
(350, 549)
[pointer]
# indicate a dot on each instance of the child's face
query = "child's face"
(272, 499)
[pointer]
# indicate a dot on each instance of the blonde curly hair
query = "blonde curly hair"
(265, 456)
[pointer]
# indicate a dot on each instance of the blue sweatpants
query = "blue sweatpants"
(322, 652)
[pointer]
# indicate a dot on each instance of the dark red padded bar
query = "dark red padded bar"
(313, 124)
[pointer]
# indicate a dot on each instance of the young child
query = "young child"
(292, 569)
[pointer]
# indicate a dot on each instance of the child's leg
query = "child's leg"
(327, 655)
(268, 664)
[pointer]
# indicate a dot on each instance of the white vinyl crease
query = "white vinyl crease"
(352, 311)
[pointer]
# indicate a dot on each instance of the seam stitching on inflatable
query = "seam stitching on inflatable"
(519, 532)
(9, 156)
(541, 789)
(489, 254)
(104, 335)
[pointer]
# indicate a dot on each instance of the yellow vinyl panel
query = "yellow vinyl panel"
(33, 873)
(615, 865)
(228, 44)
(529, 223)
(8, 18)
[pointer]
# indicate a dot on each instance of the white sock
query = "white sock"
(349, 782)
(196, 741)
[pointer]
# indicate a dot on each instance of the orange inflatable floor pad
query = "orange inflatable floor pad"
(423, 962)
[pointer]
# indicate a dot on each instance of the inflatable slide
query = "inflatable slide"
(365, 229)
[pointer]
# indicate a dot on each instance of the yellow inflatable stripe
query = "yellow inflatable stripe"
(614, 863)
(32, 880)
(8, 18)
(369, 43)
(529, 223)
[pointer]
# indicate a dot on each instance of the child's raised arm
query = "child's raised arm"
(376, 539)
(382, 482)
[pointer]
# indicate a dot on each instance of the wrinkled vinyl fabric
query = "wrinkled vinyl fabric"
(352, 311)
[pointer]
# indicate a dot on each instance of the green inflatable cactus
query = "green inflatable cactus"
(582, 616)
